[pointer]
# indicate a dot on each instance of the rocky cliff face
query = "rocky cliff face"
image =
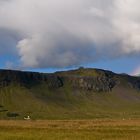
(28, 79)
(84, 79)
(89, 83)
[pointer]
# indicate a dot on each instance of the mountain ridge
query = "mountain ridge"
(84, 93)
(82, 77)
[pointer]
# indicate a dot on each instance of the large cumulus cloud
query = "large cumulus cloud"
(52, 33)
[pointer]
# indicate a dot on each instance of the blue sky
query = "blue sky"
(51, 35)
(122, 65)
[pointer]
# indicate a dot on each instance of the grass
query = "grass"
(65, 104)
(100, 129)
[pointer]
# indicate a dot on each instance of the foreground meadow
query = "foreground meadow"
(70, 130)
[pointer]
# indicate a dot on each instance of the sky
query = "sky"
(51, 35)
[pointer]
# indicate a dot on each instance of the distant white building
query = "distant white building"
(27, 118)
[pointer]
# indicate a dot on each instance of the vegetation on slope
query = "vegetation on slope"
(57, 96)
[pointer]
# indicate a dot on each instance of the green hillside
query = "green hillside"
(46, 100)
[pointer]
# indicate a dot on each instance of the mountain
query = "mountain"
(84, 93)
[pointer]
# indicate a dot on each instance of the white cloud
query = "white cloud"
(64, 33)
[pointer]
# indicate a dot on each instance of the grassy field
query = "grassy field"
(100, 129)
